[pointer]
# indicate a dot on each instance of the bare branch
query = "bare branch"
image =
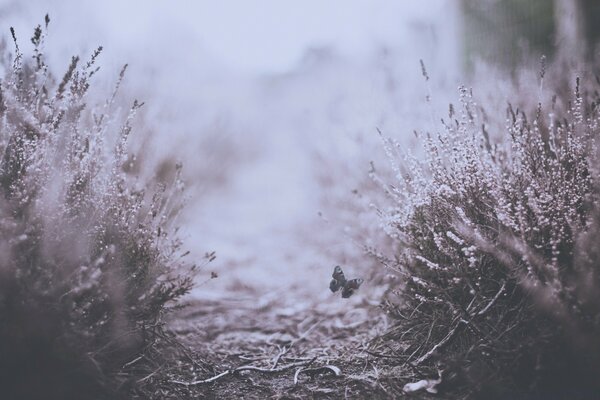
(491, 303)
(442, 343)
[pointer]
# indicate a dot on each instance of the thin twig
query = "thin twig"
(151, 375)
(297, 374)
(413, 353)
(379, 354)
(209, 380)
(245, 368)
(445, 340)
(491, 303)
(130, 363)
(297, 358)
(453, 331)
(270, 370)
(278, 356)
(430, 330)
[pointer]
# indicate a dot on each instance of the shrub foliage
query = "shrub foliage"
(88, 262)
(497, 246)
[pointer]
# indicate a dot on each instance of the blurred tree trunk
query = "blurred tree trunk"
(570, 29)
(511, 33)
(508, 33)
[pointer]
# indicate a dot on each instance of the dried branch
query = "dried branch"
(278, 357)
(245, 368)
(442, 343)
(491, 303)
(454, 330)
(297, 374)
(200, 382)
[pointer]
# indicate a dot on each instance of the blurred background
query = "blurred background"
(273, 107)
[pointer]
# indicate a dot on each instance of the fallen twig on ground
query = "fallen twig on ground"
(278, 357)
(244, 368)
(317, 370)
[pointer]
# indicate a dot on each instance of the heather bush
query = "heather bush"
(496, 238)
(89, 260)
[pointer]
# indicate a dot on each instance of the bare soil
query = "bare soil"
(298, 353)
(283, 352)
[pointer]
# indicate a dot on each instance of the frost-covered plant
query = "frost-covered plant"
(496, 244)
(89, 263)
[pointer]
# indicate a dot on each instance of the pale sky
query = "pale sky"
(261, 36)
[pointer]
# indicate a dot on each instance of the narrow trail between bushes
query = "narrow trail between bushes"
(270, 308)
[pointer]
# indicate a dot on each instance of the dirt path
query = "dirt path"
(270, 308)
(310, 353)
